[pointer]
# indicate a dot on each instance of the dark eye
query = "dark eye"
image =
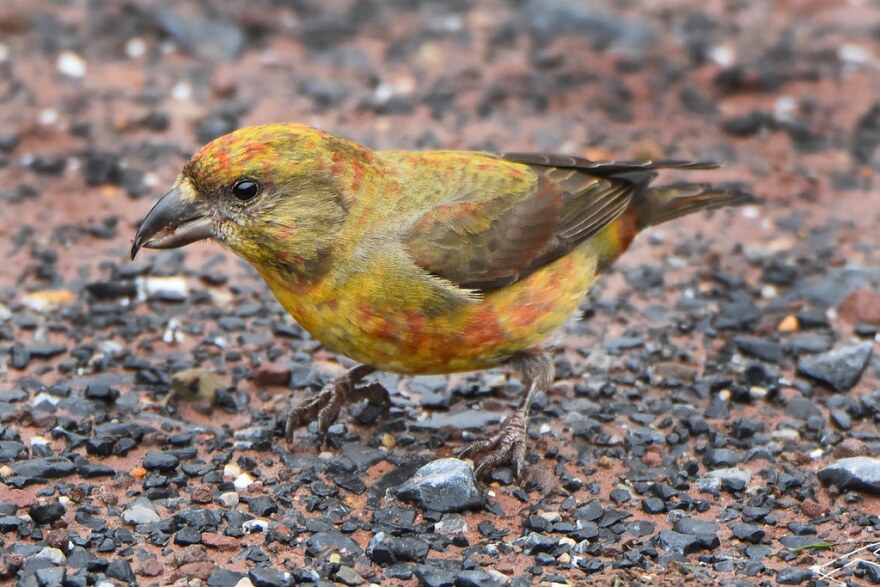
(245, 189)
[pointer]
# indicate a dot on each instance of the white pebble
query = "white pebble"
(71, 64)
(785, 108)
(551, 517)
(854, 54)
(769, 292)
(135, 47)
(181, 91)
(757, 393)
(229, 499)
(52, 554)
(151, 180)
(153, 286)
(109, 347)
(722, 55)
(231, 471)
(48, 116)
(243, 481)
(255, 525)
(786, 435)
(45, 397)
(750, 212)
(383, 93)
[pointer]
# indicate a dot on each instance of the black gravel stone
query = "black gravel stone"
(160, 461)
(45, 468)
(857, 473)
(653, 505)
(203, 520)
(720, 458)
(478, 578)
(737, 316)
(694, 527)
(225, 578)
(802, 409)
(678, 543)
(80, 558)
(841, 419)
(801, 529)
(866, 135)
(331, 541)
(840, 369)
(11, 450)
(187, 536)
(760, 348)
(810, 343)
(432, 576)
(703, 531)
(793, 542)
(102, 393)
(262, 506)
(46, 577)
(11, 524)
(101, 168)
(121, 570)
(7, 508)
(793, 575)
(266, 577)
(46, 513)
(206, 37)
(46, 351)
(748, 532)
(871, 570)
(644, 277)
(444, 485)
(535, 543)
(747, 124)
(718, 408)
(100, 446)
(111, 290)
(389, 550)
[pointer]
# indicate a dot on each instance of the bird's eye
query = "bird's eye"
(245, 189)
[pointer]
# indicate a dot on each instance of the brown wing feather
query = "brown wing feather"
(475, 244)
(486, 244)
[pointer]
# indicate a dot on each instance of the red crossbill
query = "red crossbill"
(420, 262)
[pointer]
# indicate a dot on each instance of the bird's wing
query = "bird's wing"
(494, 235)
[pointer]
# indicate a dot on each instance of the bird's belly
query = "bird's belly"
(477, 335)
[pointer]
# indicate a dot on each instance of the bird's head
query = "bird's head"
(272, 194)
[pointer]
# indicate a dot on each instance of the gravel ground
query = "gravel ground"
(715, 414)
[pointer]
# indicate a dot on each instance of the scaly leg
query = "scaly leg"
(326, 405)
(509, 442)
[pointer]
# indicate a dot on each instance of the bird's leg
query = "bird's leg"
(326, 405)
(509, 442)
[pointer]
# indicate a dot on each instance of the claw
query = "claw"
(325, 407)
(508, 443)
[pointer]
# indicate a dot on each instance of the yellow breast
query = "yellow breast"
(392, 323)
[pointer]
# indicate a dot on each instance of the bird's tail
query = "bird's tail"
(667, 202)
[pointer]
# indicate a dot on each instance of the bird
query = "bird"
(421, 262)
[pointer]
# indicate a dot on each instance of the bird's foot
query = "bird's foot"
(508, 443)
(324, 407)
